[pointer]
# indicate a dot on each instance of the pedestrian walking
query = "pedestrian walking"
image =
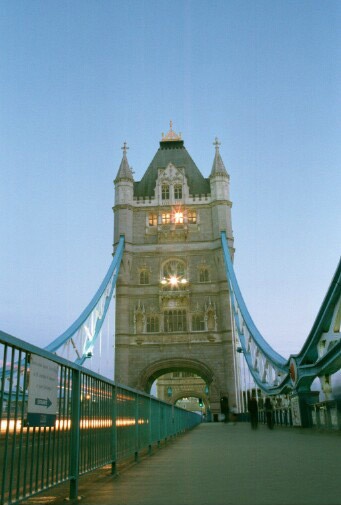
(269, 413)
(253, 411)
(224, 407)
(234, 413)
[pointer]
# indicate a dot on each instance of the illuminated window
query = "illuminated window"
(175, 320)
(177, 191)
(152, 324)
(165, 192)
(144, 277)
(178, 217)
(198, 323)
(192, 216)
(152, 219)
(166, 217)
(204, 275)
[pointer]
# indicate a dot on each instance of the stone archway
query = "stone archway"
(155, 370)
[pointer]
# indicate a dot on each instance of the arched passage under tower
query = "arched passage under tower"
(185, 377)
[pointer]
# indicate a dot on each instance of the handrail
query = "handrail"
(88, 421)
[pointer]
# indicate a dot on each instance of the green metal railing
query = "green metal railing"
(95, 423)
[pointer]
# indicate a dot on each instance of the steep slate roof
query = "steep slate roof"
(172, 151)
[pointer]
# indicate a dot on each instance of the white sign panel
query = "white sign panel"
(42, 392)
(295, 411)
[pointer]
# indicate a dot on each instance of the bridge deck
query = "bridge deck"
(218, 464)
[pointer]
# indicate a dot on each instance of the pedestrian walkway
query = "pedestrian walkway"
(223, 464)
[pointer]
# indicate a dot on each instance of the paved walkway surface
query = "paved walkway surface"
(223, 464)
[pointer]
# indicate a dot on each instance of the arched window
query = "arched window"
(177, 191)
(165, 191)
(204, 275)
(192, 216)
(165, 218)
(144, 277)
(152, 324)
(152, 219)
(174, 269)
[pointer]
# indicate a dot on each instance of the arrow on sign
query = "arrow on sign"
(43, 402)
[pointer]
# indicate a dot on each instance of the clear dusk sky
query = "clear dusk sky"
(78, 78)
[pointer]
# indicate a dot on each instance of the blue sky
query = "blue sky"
(80, 77)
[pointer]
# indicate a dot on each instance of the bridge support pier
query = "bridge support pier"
(300, 410)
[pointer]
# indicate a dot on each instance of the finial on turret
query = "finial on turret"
(125, 148)
(216, 144)
(171, 135)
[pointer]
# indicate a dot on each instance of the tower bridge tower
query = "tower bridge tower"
(172, 305)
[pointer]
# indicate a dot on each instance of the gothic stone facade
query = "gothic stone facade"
(172, 300)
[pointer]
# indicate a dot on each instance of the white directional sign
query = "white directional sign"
(296, 411)
(42, 392)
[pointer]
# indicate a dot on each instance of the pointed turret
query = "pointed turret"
(124, 172)
(124, 196)
(218, 167)
(220, 193)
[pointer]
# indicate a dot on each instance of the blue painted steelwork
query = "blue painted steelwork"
(320, 355)
(89, 323)
(321, 352)
(256, 350)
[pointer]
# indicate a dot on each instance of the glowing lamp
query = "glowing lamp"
(179, 217)
(173, 280)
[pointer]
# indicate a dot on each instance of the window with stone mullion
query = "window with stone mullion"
(165, 192)
(152, 324)
(177, 191)
(175, 321)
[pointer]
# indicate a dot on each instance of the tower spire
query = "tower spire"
(124, 172)
(218, 167)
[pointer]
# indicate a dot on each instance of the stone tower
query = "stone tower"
(172, 300)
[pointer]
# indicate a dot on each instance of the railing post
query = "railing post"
(150, 433)
(159, 441)
(113, 430)
(75, 434)
(137, 428)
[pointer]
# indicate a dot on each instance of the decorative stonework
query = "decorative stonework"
(176, 319)
(171, 135)
(139, 318)
(210, 316)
